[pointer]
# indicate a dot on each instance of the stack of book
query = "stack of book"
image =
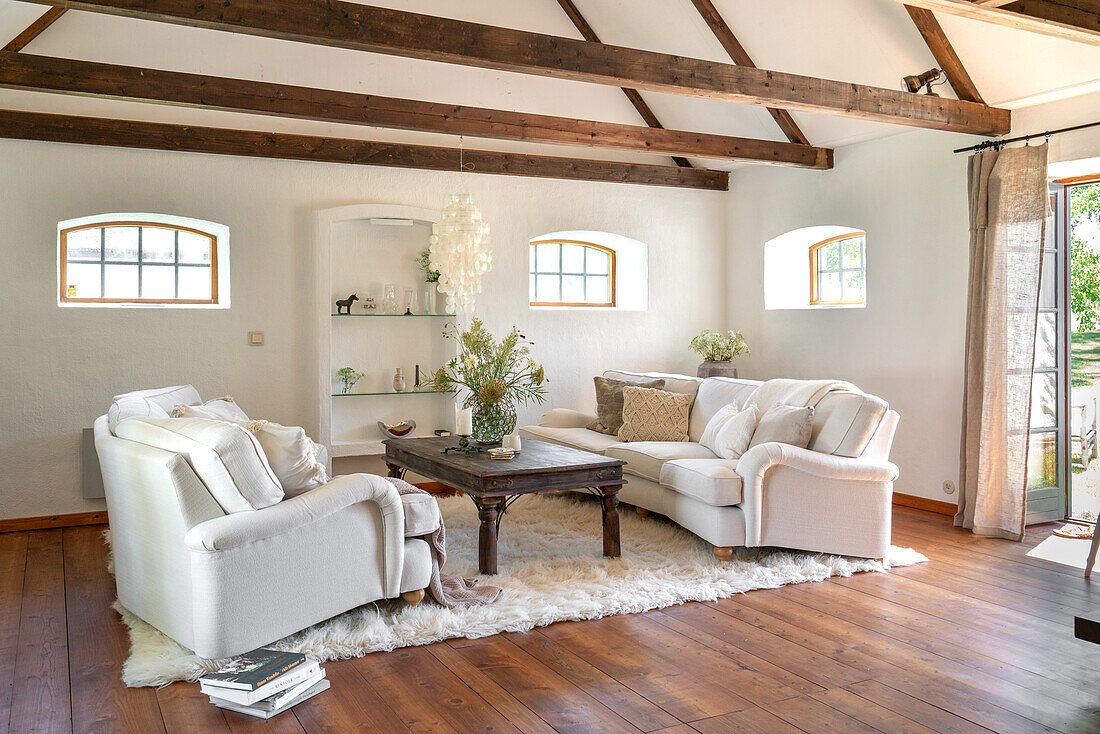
(264, 682)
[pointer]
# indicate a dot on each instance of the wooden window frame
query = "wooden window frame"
(610, 274)
(64, 262)
(814, 301)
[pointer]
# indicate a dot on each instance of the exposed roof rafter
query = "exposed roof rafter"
(383, 30)
(34, 30)
(1047, 17)
(944, 53)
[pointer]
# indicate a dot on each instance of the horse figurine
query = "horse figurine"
(346, 303)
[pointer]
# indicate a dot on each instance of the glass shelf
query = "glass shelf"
(400, 315)
(390, 392)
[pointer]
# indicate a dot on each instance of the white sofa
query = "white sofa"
(832, 497)
(225, 582)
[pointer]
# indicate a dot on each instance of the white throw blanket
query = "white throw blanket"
(798, 393)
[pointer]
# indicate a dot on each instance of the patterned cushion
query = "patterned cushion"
(609, 401)
(655, 415)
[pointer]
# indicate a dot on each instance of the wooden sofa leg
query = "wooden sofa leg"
(642, 512)
(413, 597)
(723, 552)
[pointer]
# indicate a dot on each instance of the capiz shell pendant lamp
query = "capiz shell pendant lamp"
(459, 250)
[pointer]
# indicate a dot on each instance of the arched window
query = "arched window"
(136, 260)
(572, 273)
(838, 270)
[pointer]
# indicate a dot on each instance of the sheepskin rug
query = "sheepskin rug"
(551, 569)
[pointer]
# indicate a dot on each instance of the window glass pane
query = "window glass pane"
(194, 248)
(532, 262)
(533, 296)
(830, 256)
(599, 262)
(158, 245)
(1042, 460)
(85, 278)
(121, 281)
(549, 288)
(598, 289)
(194, 283)
(828, 287)
(122, 244)
(572, 259)
(158, 281)
(547, 260)
(853, 285)
(572, 289)
(1046, 341)
(1044, 400)
(83, 244)
(1048, 278)
(853, 252)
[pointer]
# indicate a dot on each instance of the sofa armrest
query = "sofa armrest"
(566, 418)
(240, 528)
(797, 498)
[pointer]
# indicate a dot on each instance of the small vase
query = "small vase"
(427, 298)
(716, 369)
(493, 422)
(398, 381)
(389, 299)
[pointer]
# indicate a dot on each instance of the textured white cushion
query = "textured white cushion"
(720, 418)
(166, 397)
(735, 436)
(226, 457)
(714, 394)
(645, 458)
(787, 424)
(714, 481)
(421, 514)
(291, 454)
(225, 409)
(132, 407)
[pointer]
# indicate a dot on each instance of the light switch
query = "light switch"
(255, 338)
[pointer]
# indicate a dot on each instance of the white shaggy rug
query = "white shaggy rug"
(551, 569)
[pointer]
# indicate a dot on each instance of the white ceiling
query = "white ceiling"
(865, 41)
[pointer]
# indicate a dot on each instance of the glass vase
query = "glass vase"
(492, 422)
(427, 298)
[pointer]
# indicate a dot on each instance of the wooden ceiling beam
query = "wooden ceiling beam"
(254, 144)
(383, 30)
(34, 30)
(945, 55)
(1058, 18)
(635, 97)
(111, 81)
(722, 31)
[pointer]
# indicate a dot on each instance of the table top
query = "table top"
(537, 457)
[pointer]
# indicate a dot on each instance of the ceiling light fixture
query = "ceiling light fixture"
(913, 83)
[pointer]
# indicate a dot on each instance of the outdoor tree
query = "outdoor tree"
(1084, 269)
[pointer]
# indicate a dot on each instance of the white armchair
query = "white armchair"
(225, 583)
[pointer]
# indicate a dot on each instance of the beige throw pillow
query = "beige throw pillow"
(609, 402)
(292, 454)
(735, 435)
(785, 424)
(655, 415)
(720, 418)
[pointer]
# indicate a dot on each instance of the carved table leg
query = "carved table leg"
(488, 508)
(610, 499)
(395, 471)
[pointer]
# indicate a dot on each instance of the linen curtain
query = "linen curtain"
(1008, 216)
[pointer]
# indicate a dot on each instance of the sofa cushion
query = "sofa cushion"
(224, 408)
(609, 402)
(421, 514)
(155, 403)
(736, 434)
(226, 457)
(291, 454)
(645, 458)
(844, 423)
(655, 415)
(673, 383)
(713, 481)
(788, 424)
(578, 438)
(714, 394)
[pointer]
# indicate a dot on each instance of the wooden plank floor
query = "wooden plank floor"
(980, 639)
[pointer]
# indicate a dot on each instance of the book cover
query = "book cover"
(246, 698)
(277, 700)
(253, 669)
(322, 685)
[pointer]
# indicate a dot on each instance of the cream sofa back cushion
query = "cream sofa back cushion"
(714, 394)
(844, 423)
(155, 403)
(225, 456)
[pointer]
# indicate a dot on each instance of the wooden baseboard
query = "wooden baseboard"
(44, 522)
(923, 503)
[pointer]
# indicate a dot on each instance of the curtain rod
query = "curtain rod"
(1005, 141)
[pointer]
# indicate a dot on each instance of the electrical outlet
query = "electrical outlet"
(949, 487)
(255, 338)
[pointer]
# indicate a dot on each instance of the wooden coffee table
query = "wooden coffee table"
(495, 485)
